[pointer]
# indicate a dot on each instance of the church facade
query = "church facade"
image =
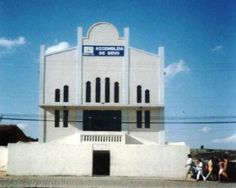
(102, 86)
(102, 111)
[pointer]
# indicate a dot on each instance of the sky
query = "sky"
(200, 52)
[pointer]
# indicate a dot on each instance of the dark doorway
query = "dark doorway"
(99, 120)
(101, 163)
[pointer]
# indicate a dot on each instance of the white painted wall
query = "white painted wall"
(153, 133)
(3, 158)
(144, 71)
(102, 67)
(149, 160)
(126, 160)
(55, 133)
(60, 70)
(49, 159)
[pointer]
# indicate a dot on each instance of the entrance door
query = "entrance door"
(98, 120)
(101, 163)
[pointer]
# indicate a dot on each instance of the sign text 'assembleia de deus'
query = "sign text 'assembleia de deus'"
(89, 50)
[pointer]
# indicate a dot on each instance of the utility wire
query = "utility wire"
(20, 115)
(127, 122)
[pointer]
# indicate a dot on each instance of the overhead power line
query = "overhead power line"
(127, 122)
(22, 115)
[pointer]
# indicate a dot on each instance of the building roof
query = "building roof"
(13, 134)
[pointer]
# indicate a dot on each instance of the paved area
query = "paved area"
(104, 182)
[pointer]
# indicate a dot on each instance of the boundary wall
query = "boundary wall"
(125, 160)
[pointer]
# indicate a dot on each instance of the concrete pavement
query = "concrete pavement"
(104, 182)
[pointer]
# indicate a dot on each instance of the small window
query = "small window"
(147, 96)
(116, 92)
(98, 90)
(107, 90)
(57, 118)
(139, 119)
(66, 93)
(65, 118)
(139, 94)
(88, 91)
(147, 119)
(57, 95)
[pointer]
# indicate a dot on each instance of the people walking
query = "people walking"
(189, 166)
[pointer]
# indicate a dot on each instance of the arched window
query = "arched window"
(88, 91)
(147, 96)
(98, 90)
(107, 90)
(66, 93)
(116, 92)
(147, 118)
(57, 95)
(139, 94)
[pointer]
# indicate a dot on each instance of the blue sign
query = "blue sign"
(89, 50)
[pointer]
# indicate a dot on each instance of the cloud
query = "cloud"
(58, 47)
(22, 126)
(230, 139)
(10, 43)
(205, 129)
(217, 48)
(176, 68)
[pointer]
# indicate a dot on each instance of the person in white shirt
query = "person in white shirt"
(199, 169)
(188, 165)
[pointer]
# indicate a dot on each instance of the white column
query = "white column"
(161, 53)
(125, 89)
(42, 125)
(79, 67)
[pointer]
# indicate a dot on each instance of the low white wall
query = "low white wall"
(149, 160)
(3, 158)
(126, 160)
(49, 159)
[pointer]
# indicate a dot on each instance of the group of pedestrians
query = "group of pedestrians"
(207, 171)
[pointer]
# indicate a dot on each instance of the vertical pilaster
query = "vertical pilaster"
(79, 67)
(42, 124)
(161, 53)
(125, 89)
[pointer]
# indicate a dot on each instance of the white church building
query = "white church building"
(102, 110)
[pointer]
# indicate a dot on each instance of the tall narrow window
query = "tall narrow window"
(57, 95)
(57, 118)
(88, 91)
(98, 90)
(139, 118)
(107, 90)
(66, 93)
(147, 96)
(116, 92)
(65, 118)
(139, 94)
(147, 119)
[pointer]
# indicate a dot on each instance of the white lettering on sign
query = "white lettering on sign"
(89, 50)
